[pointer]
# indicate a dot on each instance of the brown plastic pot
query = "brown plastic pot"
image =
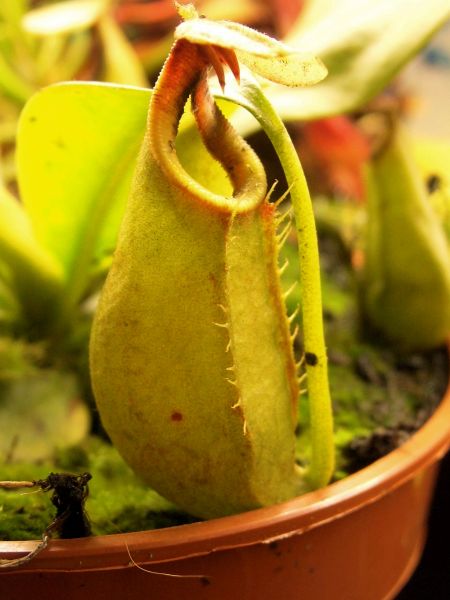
(359, 538)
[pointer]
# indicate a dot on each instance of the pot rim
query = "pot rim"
(265, 525)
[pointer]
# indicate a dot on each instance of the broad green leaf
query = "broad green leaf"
(35, 275)
(16, 235)
(63, 17)
(77, 147)
(363, 44)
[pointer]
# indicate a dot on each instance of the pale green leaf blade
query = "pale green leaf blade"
(264, 55)
(77, 147)
(12, 84)
(121, 63)
(63, 17)
(35, 277)
(40, 412)
(364, 44)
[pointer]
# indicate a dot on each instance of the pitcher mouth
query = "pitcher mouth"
(185, 74)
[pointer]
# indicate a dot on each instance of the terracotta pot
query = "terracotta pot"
(358, 538)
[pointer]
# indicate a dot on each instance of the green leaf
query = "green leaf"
(363, 44)
(63, 17)
(121, 63)
(36, 277)
(40, 412)
(77, 147)
(12, 84)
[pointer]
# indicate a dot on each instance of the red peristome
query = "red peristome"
(218, 57)
(229, 58)
(216, 62)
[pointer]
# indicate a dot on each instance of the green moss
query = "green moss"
(24, 514)
(118, 502)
